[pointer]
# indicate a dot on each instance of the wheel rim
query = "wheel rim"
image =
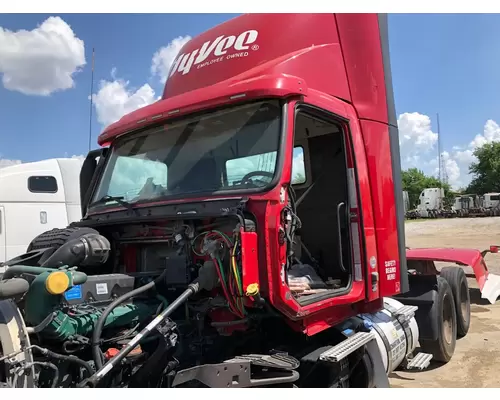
(447, 320)
(464, 303)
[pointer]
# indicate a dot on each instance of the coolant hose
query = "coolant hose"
(25, 269)
(96, 334)
(78, 277)
(13, 287)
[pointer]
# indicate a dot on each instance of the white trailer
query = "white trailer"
(36, 197)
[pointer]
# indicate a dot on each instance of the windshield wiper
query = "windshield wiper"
(119, 199)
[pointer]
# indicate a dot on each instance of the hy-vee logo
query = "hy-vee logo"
(216, 51)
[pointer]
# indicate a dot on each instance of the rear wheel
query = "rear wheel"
(444, 313)
(455, 276)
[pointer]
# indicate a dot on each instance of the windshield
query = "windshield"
(234, 149)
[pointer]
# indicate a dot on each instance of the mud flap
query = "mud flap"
(491, 288)
(380, 378)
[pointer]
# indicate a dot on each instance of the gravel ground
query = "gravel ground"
(474, 362)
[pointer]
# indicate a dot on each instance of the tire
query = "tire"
(444, 313)
(455, 276)
(56, 237)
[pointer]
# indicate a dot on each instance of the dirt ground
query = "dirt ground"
(475, 360)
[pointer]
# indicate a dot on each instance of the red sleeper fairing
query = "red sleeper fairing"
(489, 284)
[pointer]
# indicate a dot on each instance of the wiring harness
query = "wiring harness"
(217, 245)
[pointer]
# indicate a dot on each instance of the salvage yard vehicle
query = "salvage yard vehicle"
(36, 197)
(206, 258)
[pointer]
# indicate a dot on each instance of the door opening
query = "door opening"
(322, 250)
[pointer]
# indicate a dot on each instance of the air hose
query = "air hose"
(96, 334)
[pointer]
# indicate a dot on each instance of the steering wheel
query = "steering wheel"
(250, 175)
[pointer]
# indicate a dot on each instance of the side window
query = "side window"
(42, 184)
(237, 168)
(298, 166)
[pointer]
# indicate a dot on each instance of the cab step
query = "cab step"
(405, 313)
(348, 346)
(277, 360)
(420, 361)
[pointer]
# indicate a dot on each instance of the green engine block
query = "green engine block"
(40, 304)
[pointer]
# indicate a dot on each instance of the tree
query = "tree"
(486, 171)
(414, 181)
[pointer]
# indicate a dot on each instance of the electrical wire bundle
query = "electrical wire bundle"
(215, 244)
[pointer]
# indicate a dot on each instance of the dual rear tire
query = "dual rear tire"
(451, 311)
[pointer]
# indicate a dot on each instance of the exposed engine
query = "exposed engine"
(131, 307)
(165, 305)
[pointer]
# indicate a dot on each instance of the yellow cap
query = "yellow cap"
(57, 282)
(252, 289)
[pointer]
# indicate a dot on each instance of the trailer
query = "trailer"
(35, 197)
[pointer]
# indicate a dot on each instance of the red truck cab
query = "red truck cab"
(287, 121)
(287, 89)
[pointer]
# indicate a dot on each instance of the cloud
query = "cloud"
(7, 163)
(415, 137)
(41, 61)
(464, 155)
(81, 157)
(116, 98)
(418, 149)
(418, 144)
(165, 56)
(491, 133)
(451, 169)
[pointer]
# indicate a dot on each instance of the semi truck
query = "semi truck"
(203, 260)
(473, 205)
(36, 197)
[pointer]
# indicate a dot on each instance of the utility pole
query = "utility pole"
(443, 175)
(439, 150)
(91, 101)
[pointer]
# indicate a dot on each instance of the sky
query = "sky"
(441, 63)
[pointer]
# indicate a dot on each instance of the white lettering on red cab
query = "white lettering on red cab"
(218, 48)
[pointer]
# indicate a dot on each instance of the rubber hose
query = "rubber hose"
(73, 359)
(78, 277)
(55, 378)
(96, 334)
(13, 287)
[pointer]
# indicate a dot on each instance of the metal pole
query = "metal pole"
(91, 101)
(439, 150)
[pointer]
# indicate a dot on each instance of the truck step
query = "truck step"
(420, 361)
(348, 346)
(405, 313)
(278, 360)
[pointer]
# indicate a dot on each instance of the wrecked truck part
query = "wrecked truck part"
(489, 284)
(304, 269)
